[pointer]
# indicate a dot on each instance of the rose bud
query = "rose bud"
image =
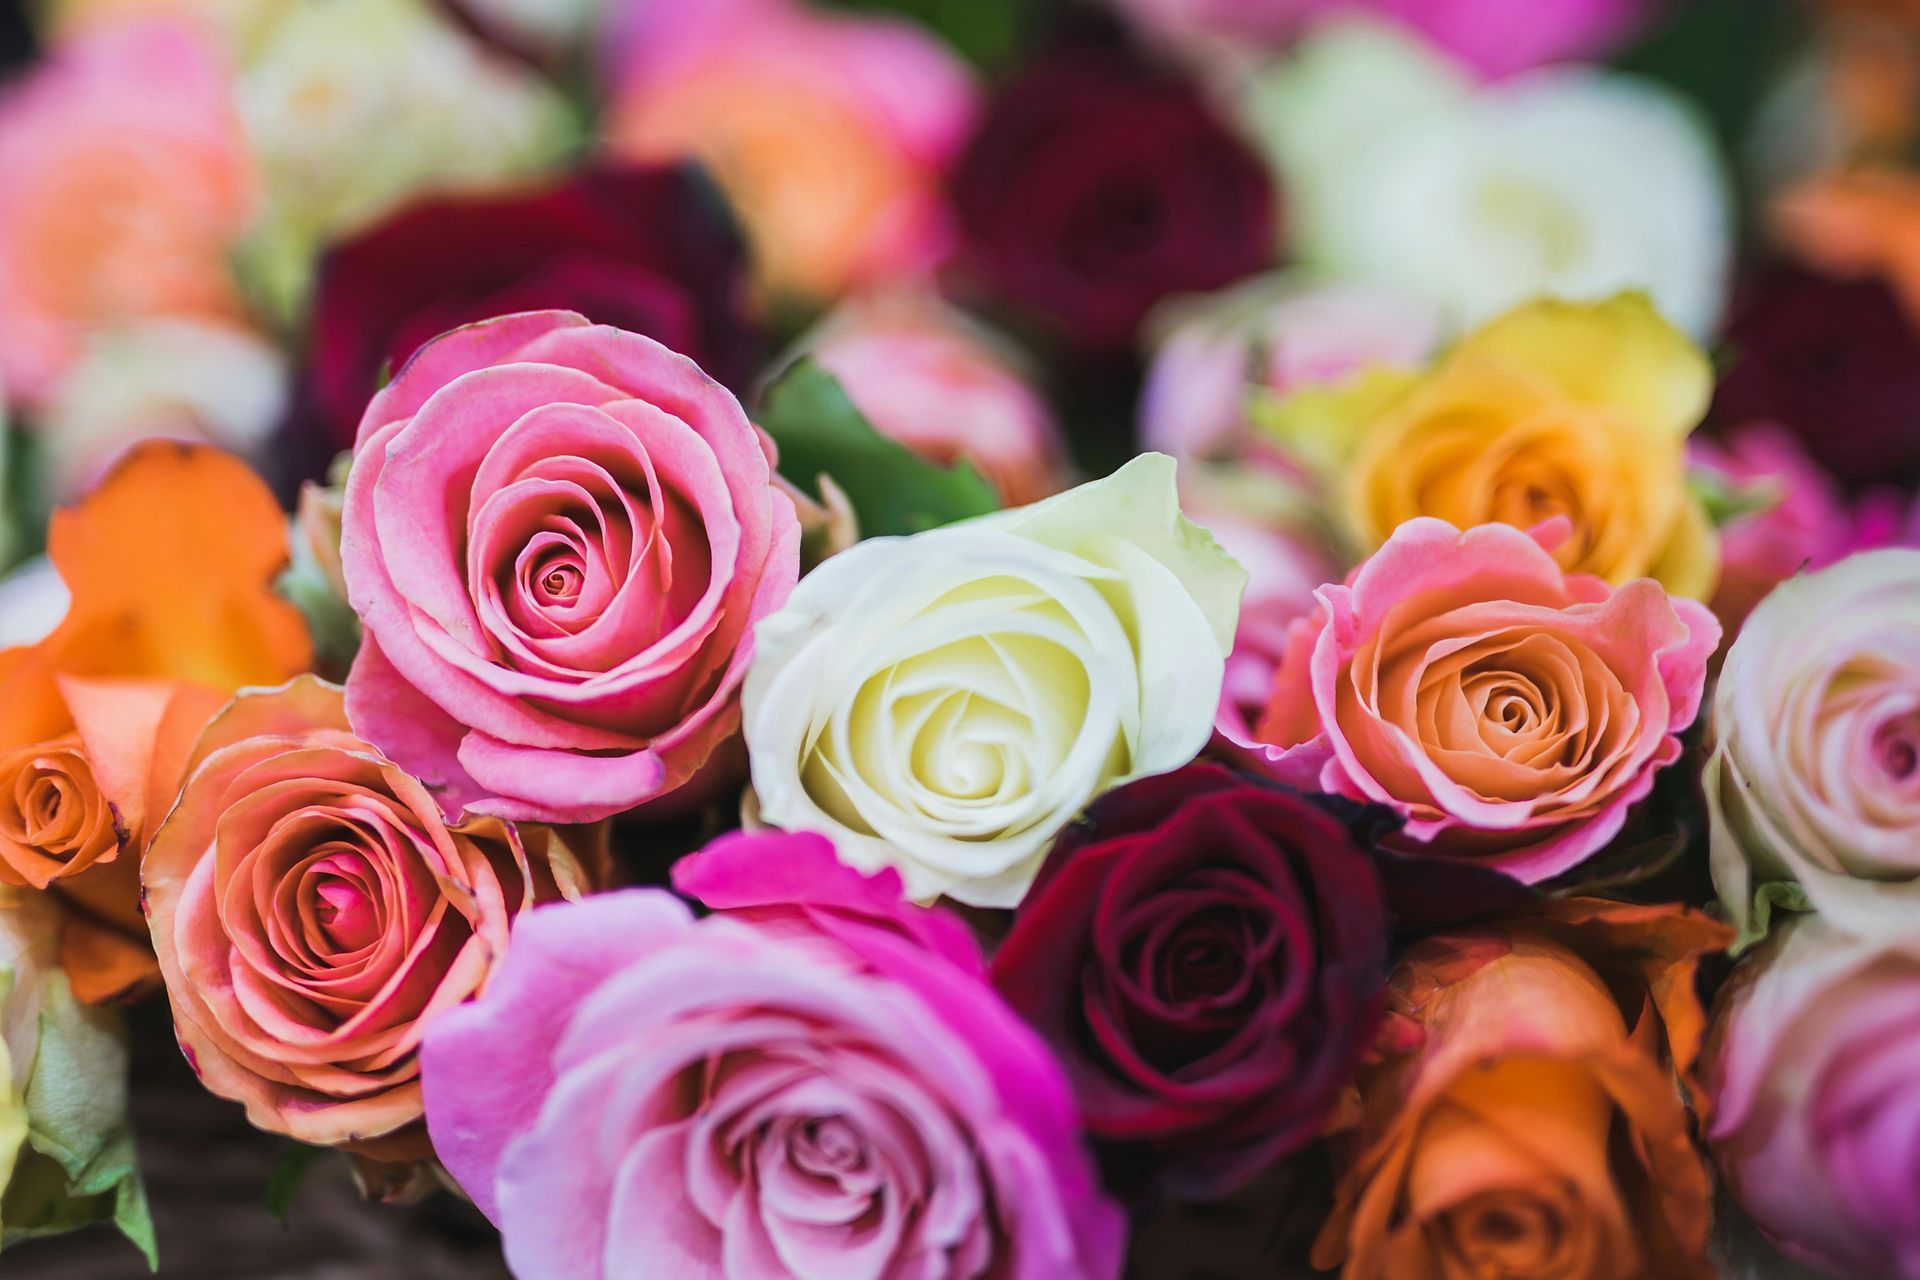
(312, 914)
(1208, 957)
(1525, 1121)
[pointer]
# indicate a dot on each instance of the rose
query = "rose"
(66, 1149)
(169, 565)
(644, 249)
(128, 181)
(312, 914)
(1525, 1121)
(1569, 182)
(171, 378)
(1096, 185)
(819, 1085)
(944, 703)
(1512, 712)
(1813, 784)
(1555, 410)
(1807, 523)
(829, 132)
(1207, 956)
(32, 602)
(558, 537)
(925, 375)
(354, 107)
(1274, 333)
(1837, 363)
(1863, 222)
(1497, 37)
(1808, 1070)
(1285, 566)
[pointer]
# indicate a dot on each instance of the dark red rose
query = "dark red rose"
(1837, 362)
(1208, 955)
(650, 249)
(1096, 185)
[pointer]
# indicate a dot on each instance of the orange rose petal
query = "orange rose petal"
(170, 563)
(104, 965)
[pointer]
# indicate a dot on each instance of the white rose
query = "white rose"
(355, 106)
(945, 703)
(1571, 181)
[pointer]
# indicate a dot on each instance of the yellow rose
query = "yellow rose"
(1555, 410)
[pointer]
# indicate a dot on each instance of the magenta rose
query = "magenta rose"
(646, 248)
(1208, 956)
(816, 1081)
(558, 537)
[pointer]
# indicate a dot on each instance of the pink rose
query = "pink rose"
(127, 181)
(558, 537)
(1810, 1066)
(926, 376)
(815, 1082)
(1284, 570)
(1512, 712)
(1275, 336)
(831, 133)
(1809, 526)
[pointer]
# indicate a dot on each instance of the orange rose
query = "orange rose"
(1857, 224)
(1526, 1122)
(170, 565)
(829, 132)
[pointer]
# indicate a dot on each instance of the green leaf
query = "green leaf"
(892, 489)
(284, 1183)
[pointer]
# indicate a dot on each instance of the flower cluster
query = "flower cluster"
(918, 641)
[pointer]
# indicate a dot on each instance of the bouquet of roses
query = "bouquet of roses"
(735, 760)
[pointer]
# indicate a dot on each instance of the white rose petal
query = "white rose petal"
(945, 703)
(1571, 182)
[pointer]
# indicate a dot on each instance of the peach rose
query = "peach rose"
(312, 913)
(127, 182)
(1524, 1120)
(830, 133)
(170, 565)
(1512, 712)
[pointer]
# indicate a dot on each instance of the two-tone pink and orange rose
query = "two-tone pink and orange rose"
(1513, 713)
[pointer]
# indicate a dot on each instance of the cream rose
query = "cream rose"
(945, 703)
(1813, 787)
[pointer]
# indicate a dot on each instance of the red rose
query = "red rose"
(1208, 956)
(1096, 186)
(646, 249)
(1836, 362)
